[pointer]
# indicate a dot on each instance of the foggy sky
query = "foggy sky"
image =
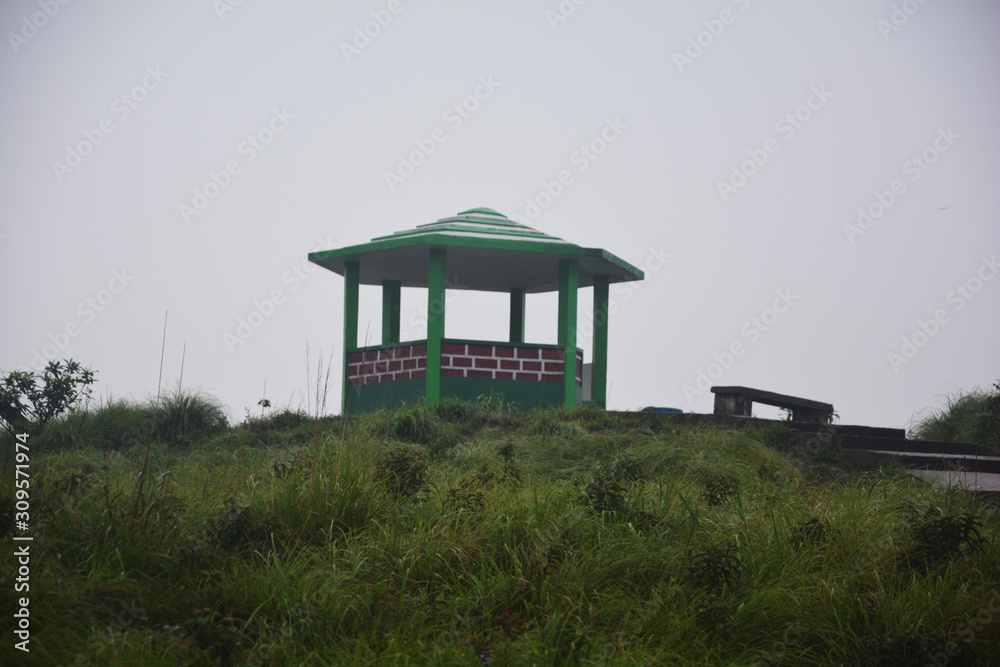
(811, 184)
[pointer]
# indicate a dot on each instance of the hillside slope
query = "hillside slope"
(471, 534)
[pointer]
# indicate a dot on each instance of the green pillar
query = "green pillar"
(568, 280)
(352, 278)
(390, 311)
(599, 353)
(517, 315)
(435, 322)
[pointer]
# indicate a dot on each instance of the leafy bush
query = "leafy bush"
(609, 484)
(30, 401)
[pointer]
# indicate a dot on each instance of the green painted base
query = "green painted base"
(520, 393)
(390, 395)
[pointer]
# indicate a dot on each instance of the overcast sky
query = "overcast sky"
(811, 188)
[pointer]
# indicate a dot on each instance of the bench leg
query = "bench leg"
(736, 405)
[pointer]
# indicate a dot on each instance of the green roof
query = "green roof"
(485, 251)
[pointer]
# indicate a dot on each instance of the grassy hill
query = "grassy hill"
(471, 534)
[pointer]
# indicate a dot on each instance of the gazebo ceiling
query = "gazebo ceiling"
(485, 251)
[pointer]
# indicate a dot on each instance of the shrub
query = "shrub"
(812, 531)
(939, 540)
(414, 423)
(286, 420)
(114, 424)
(715, 566)
(719, 487)
(610, 482)
(403, 472)
(452, 409)
(120, 424)
(234, 529)
(972, 417)
(183, 414)
(26, 404)
(464, 500)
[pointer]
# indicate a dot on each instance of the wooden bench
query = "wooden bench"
(738, 401)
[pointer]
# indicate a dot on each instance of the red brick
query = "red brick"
(504, 375)
(409, 363)
(371, 355)
(396, 365)
(418, 374)
(452, 372)
(355, 358)
(355, 380)
(381, 366)
(419, 350)
(387, 377)
(486, 363)
(531, 365)
(510, 364)
(531, 377)
(368, 369)
(551, 377)
(473, 373)
(386, 353)
(422, 362)
(552, 353)
(481, 350)
(452, 348)
(403, 375)
(553, 367)
(353, 369)
(527, 353)
(370, 379)
(445, 361)
(461, 362)
(404, 351)
(503, 351)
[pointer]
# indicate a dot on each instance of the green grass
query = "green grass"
(970, 417)
(119, 423)
(548, 538)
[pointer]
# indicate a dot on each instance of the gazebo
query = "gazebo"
(481, 250)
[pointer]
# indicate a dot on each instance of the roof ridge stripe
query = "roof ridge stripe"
(535, 235)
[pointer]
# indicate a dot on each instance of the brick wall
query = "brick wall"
(474, 360)
(506, 362)
(387, 364)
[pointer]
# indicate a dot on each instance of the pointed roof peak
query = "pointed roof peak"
(484, 210)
